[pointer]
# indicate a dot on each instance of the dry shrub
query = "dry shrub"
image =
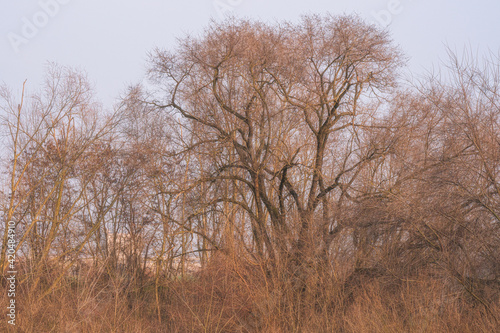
(232, 294)
(421, 305)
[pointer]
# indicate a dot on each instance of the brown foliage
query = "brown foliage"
(276, 180)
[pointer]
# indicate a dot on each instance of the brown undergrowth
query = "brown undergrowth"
(235, 295)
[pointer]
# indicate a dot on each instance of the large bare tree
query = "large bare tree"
(278, 117)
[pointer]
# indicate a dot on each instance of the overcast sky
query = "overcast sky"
(110, 39)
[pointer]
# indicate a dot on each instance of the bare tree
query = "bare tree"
(51, 143)
(278, 117)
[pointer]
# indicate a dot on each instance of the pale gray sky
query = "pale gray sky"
(109, 39)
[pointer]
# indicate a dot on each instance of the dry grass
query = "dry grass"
(237, 296)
